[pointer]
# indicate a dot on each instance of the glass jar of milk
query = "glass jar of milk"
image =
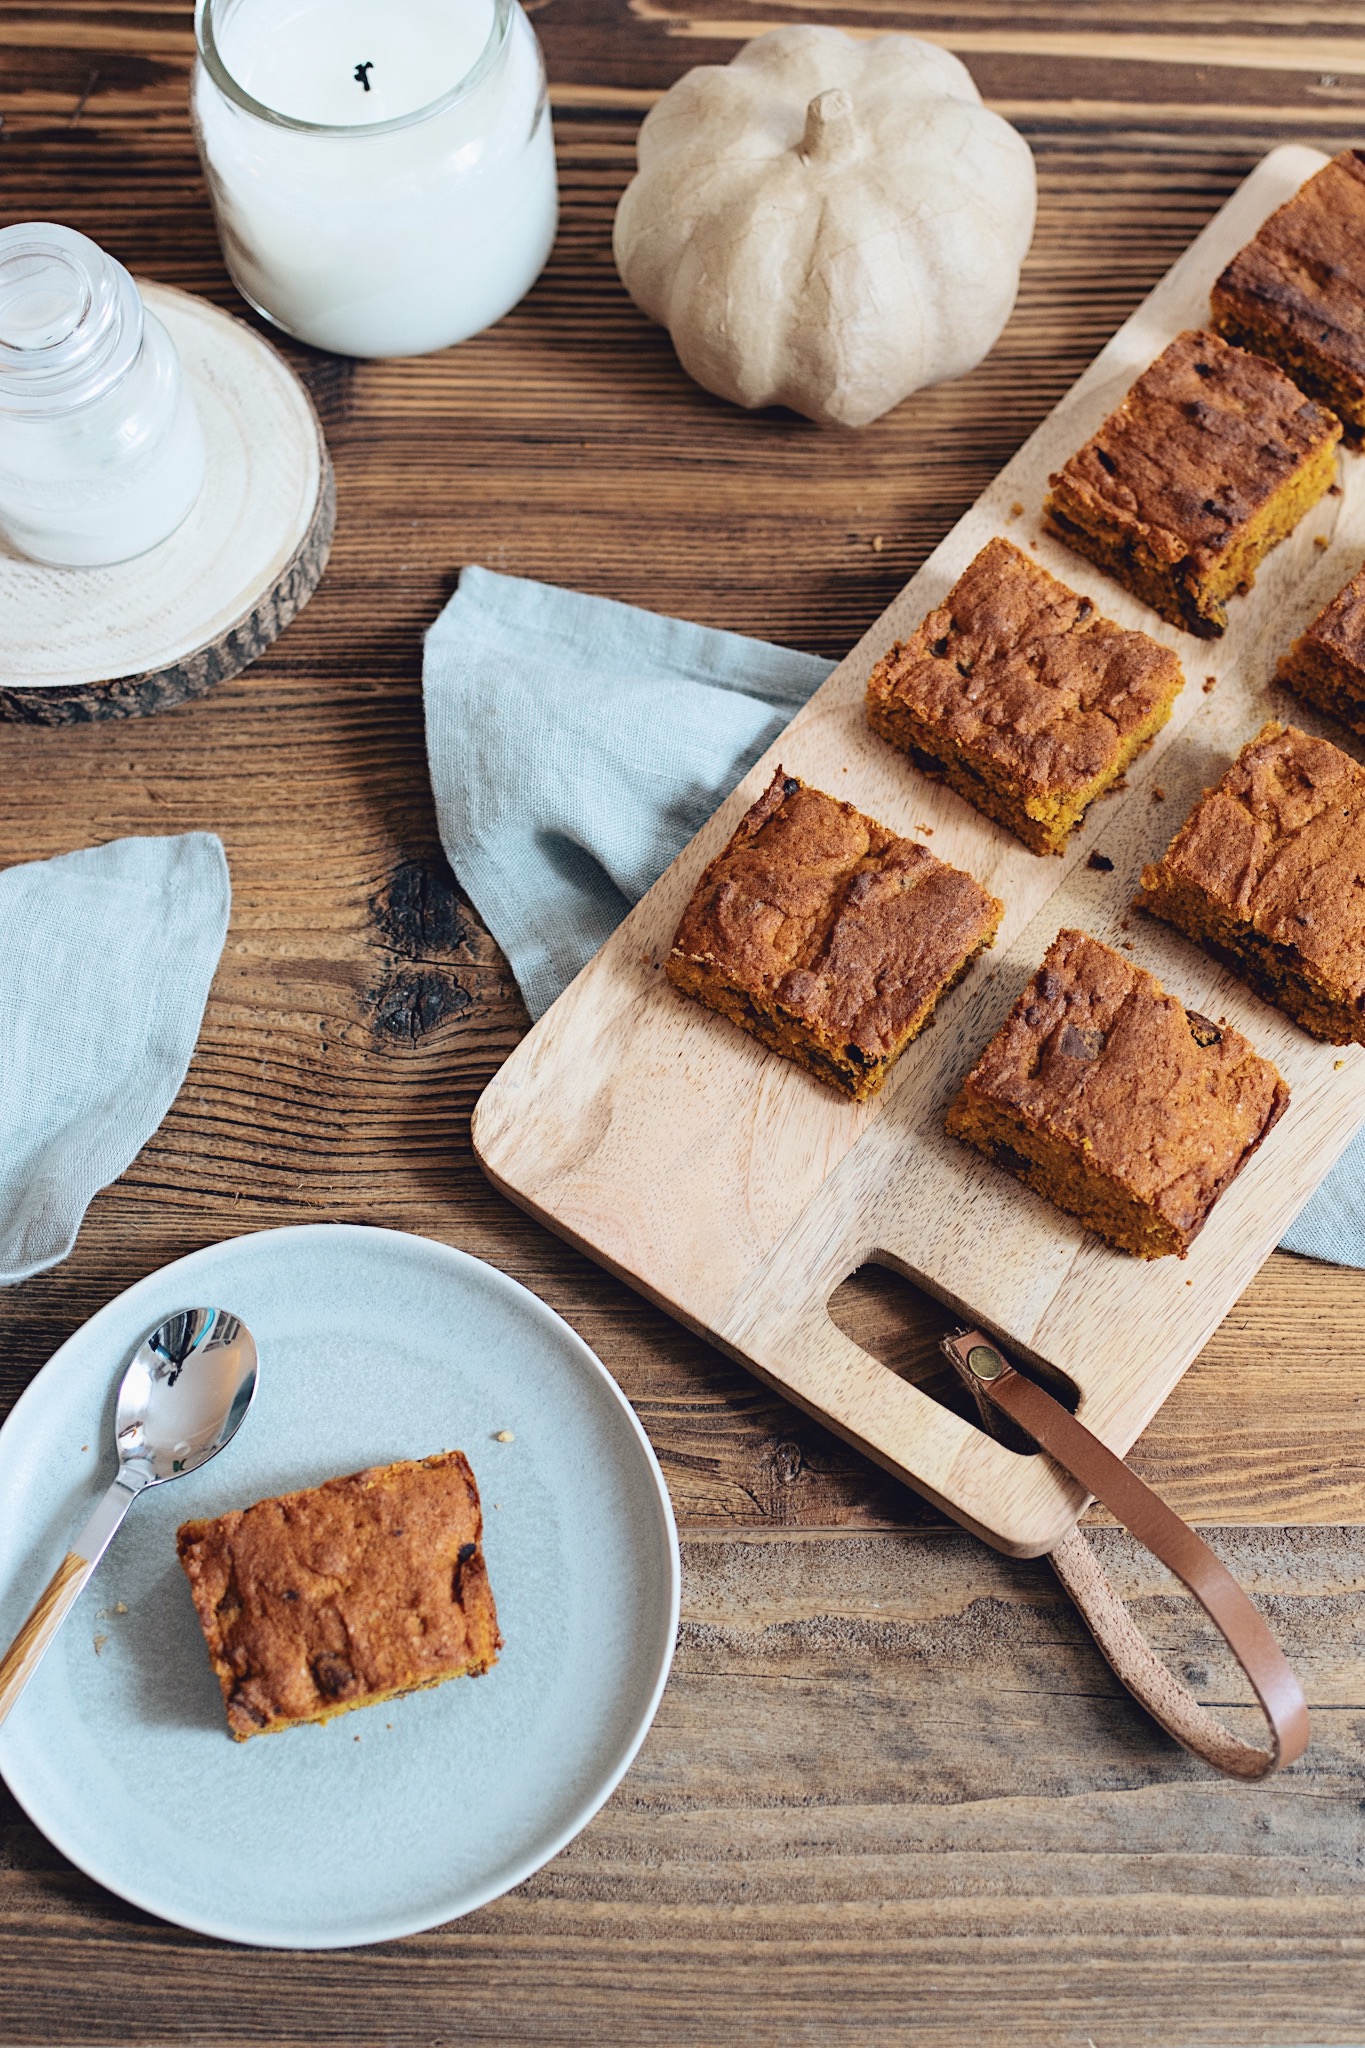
(101, 453)
(382, 170)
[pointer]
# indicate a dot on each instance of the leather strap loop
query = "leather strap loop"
(1000, 1389)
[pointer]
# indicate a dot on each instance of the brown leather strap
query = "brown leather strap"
(998, 1386)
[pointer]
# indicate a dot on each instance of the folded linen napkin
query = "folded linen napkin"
(106, 956)
(576, 745)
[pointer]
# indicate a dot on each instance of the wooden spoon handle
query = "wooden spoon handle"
(50, 1610)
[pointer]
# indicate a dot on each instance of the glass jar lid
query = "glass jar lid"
(70, 319)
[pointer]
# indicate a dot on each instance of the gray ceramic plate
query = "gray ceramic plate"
(374, 1345)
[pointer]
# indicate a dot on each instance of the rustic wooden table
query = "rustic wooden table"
(893, 1794)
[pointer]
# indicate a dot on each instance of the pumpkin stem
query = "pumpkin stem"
(830, 134)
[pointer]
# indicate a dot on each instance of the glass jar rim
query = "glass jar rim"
(99, 338)
(212, 59)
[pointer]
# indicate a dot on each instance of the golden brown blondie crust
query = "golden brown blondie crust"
(1101, 1092)
(344, 1594)
(1268, 871)
(827, 937)
(1021, 697)
(1296, 293)
(1212, 458)
(1326, 664)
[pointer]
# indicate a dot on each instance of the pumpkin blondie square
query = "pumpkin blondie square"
(1021, 697)
(345, 1594)
(1326, 664)
(1296, 293)
(1103, 1093)
(1268, 872)
(1213, 458)
(827, 937)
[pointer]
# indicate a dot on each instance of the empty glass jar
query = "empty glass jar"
(101, 451)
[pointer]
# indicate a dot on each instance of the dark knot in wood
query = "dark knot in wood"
(786, 1462)
(413, 1002)
(418, 912)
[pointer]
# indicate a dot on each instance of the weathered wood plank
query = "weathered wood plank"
(893, 1795)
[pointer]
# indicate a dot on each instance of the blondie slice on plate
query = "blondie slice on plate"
(345, 1594)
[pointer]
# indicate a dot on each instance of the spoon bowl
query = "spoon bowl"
(184, 1395)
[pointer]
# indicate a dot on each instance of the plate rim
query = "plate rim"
(394, 1926)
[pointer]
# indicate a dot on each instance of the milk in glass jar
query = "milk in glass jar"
(382, 171)
(101, 452)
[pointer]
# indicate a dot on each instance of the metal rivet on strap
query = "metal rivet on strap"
(984, 1363)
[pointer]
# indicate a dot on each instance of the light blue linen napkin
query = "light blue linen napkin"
(106, 956)
(575, 745)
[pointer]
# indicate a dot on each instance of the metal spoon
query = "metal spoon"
(184, 1396)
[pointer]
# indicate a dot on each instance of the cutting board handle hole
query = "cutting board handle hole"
(898, 1324)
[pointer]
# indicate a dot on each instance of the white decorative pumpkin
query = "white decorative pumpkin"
(827, 223)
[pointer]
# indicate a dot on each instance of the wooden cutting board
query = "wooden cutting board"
(738, 1193)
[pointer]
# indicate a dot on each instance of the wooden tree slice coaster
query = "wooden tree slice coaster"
(79, 644)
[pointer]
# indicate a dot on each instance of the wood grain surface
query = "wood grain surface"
(854, 1820)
